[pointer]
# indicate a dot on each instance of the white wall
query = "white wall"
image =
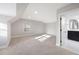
(51, 28)
(17, 28)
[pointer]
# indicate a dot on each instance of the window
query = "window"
(3, 30)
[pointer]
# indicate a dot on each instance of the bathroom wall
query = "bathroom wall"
(69, 12)
(64, 11)
(17, 28)
(71, 44)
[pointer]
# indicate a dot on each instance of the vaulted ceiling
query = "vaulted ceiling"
(44, 12)
(8, 9)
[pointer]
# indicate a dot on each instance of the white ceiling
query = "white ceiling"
(45, 12)
(5, 18)
(20, 8)
(8, 9)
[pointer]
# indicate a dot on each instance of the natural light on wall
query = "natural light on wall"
(3, 30)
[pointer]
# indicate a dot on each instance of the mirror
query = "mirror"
(73, 24)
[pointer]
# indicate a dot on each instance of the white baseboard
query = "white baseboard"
(23, 35)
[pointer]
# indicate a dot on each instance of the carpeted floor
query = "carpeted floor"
(32, 46)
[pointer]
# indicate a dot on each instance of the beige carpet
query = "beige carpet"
(32, 46)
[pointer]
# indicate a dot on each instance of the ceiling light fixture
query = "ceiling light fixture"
(36, 12)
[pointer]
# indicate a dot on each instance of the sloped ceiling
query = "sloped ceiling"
(11, 11)
(8, 9)
(45, 12)
(5, 18)
(20, 8)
